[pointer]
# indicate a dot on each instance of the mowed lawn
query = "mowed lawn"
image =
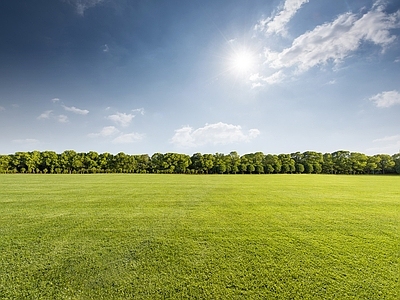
(199, 237)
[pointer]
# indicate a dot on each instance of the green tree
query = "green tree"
(157, 162)
(4, 163)
(219, 163)
(297, 157)
(208, 163)
(119, 162)
(143, 163)
(358, 162)
(272, 161)
(67, 160)
(88, 161)
(288, 164)
(183, 163)
(299, 168)
(341, 162)
(197, 163)
(258, 162)
(317, 168)
(372, 164)
(327, 164)
(233, 161)
(396, 159)
(308, 168)
(386, 162)
(105, 162)
(49, 161)
(33, 162)
(21, 161)
(250, 168)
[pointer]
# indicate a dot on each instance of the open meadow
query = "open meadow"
(123, 236)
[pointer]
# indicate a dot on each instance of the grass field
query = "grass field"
(199, 237)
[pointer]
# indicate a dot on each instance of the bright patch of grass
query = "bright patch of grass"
(206, 237)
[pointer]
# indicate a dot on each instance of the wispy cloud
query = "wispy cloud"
(105, 48)
(2, 108)
(218, 133)
(62, 119)
(139, 110)
(387, 144)
(277, 24)
(128, 138)
(45, 115)
(48, 114)
(106, 131)
(124, 119)
(386, 99)
(26, 141)
(393, 138)
(76, 110)
(54, 100)
(121, 119)
(333, 42)
(82, 5)
(259, 80)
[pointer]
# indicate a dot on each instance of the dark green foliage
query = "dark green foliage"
(68, 162)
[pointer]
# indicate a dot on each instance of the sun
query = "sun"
(242, 62)
(239, 60)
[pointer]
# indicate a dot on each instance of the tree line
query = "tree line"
(309, 162)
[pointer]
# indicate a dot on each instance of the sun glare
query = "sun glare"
(242, 62)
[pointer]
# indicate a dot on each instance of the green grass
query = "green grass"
(199, 237)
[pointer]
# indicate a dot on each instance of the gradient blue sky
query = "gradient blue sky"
(200, 76)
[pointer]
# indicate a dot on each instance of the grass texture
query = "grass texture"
(124, 236)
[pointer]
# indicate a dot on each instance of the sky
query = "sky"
(147, 76)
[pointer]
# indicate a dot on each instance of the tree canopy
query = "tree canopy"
(310, 162)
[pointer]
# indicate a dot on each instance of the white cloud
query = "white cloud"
(256, 85)
(139, 110)
(393, 138)
(76, 110)
(219, 133)
(277, 24)
(106, 131)
(253, 133)
(62, 119)
(121, 119)
(54, 100)
(124, 119)
(105, 48)
(45, 115)
(388, 144)
(82, 5)
(336, 40)
(128, 138)
(26, 141)
(183, 137)
(259, 80)
(386, 99)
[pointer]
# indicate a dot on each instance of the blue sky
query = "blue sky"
(200, 76)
